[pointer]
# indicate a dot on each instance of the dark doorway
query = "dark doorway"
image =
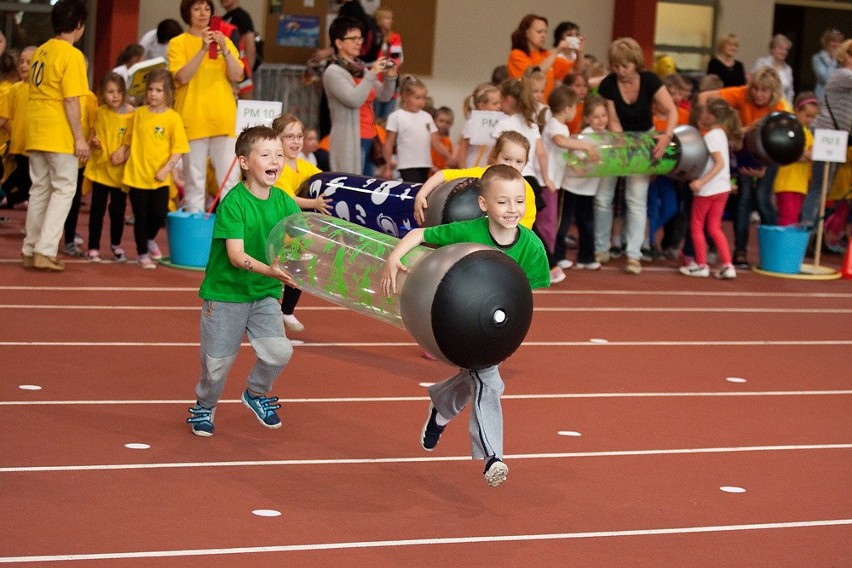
(804, 26)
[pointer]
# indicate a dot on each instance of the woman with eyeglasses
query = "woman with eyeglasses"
(351, 88)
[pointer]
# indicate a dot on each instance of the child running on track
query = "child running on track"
(503, 199)
(241, 292)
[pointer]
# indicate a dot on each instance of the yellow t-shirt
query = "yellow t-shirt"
(476, 172)
(58, 72)
(5, 91)
(111, 129)
(291, 180)
(795, 177)
(12, 108)
(153, 137)
(206, 103)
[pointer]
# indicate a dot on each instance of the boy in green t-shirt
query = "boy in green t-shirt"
(240, 292)
(502, 197)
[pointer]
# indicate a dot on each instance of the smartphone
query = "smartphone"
(215, 24)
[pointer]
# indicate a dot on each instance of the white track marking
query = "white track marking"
(731, 343)
(419, 459)
(551, 396)
(429, 541)
(644, 293)
(697, 310)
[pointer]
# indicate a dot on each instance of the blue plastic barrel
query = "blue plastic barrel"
(190, 235)
(782, 249)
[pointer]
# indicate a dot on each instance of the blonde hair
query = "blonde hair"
(767, 78)
(725, 40)
(380, 13)
(844, 52)
(479, 96)
(507, 137)
(409, 84)
(626, 50)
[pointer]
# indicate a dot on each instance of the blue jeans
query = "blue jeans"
(753, 193)
(662, 204)
(810, 207)
(367, 166)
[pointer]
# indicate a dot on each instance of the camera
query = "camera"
(573, 42)
(387, 64)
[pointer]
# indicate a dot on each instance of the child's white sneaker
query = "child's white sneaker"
(727, 272)
(495, 472)
(695, 270)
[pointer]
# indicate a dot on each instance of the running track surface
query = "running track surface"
(632, 403)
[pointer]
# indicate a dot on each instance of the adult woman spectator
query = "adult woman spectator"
(835, 113)
(563, 31)
(824, 62)
(351, 88)
(528, 51)
(631, 92)
(724, 65)
(779, 47)
(205, 64)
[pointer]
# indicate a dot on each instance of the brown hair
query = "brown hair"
(250, 136)
(509, 136)
(112, 77)
(727, 118)
(519, 36)
(284, 120)
(520, 90)
(165, 77)
(186, 9)
(500, 172)
(561, 97)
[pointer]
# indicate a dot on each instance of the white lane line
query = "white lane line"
(193, 289)
(420, 459)
(748, 343)
(691, 293)
(548, 292)
(430, 541)
(554, 396)
(697, 310)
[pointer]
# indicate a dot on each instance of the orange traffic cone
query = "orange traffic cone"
(846, 269)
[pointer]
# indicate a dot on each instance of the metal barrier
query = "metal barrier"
(296, 86)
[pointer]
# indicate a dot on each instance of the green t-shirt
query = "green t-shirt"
(241, 215)
(527, 250)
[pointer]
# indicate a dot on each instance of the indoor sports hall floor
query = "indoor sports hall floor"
(650, 421)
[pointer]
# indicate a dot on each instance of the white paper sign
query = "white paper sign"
(256, 113)
(829, 145)
(482, 124)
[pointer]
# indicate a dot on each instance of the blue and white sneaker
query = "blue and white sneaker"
(264, 408)
(202, 420)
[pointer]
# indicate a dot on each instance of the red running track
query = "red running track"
(622, 426)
